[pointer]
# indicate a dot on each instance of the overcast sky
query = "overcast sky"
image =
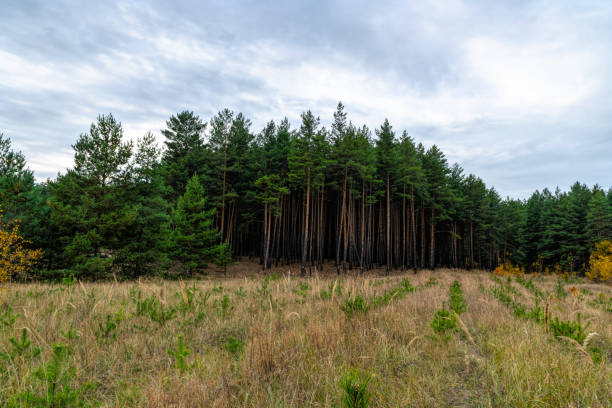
(517, 92)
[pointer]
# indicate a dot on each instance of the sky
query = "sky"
(518, 92)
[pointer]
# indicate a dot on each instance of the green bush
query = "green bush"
(152, 308)
(355, 389)
(560, 290)
(457, 301)
(107, 331)
(234, 345)
(355, 304)
(57, 377)
(443, 320)
(180, 354)
(20, 348)
(569, 328)
(224, 307)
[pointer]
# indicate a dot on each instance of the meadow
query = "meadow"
(447, 338)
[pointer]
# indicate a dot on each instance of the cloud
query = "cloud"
(516, 92)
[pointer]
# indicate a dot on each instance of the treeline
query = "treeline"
(218, 191)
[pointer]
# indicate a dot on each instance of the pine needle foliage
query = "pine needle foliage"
(355, 389)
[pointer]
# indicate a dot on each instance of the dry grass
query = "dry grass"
(286, 344)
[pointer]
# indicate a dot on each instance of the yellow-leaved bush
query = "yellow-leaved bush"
(508, 269)
(600, 262)
(15, 258)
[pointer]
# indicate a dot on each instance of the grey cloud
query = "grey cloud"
(111, 57)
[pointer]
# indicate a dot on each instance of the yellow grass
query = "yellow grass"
(297, 344)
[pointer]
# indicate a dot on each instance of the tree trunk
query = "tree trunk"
(471, 245)
(362, 227)
(341, 226)
(422, 234)
(432, 244)
(413, 221)
(388, 223)
(404, 232)
(223, 193)
(267, 244)
(305, 244)
(345, 235)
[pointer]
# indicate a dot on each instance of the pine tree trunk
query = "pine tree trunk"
(223, 193)
(305, 244)
(267, 247)
(362, 227)
(341, 227)
(388, 223)
(322, 228)
(422, 234)
(414, 246)
(432, 241)
(471, 245)
(345, 235)
(404, 232)
(455, 244)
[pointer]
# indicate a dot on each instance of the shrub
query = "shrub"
(223, 257)
(107, 331)
(7, 317)
(356, 304)
(430, 282)
(21, 347)
(508, 269)
(15, 258)
(355, 389)
(572, 329)
(335, 288)
(600, 262)
(407, 286)
(180, 354)
(234, 345)
(560, 290)
(443, 320)
(535, 313)
(224, 307)
(457, 301)
(57, 376)
(529, 285)
(153, 308)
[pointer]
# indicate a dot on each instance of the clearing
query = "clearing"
(288, 341)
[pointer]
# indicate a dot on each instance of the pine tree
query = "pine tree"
(240, 173)
(435, 169)
(455, 210)
(599, 218)
(194, 236)
(223, 256)
(492, 228)
(89, 210)
(219, 141)
(271, 191)
(348, 146)
(386, 159)
(513, 224)
(21, 199)
(185, 154)
(301, 164)
(286, 196)
(475, 191)
(409, 176)
(147, 242)
(577, 248)
(16, 182)
(366, 166)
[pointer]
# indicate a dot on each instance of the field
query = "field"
(287, 341)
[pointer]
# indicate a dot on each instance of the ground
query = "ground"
(291, 341)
